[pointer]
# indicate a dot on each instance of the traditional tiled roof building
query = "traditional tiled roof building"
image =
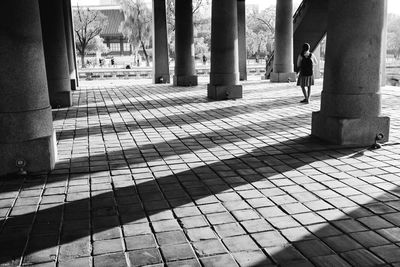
(113, 38)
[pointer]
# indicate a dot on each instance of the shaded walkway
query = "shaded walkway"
(159, 175)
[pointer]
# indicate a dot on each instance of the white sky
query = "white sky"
(394, 5)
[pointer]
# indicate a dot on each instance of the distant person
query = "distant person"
(204, 59)
(128, 67)
(112, 62)
(305, 63)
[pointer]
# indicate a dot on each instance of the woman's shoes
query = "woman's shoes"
(305, 101)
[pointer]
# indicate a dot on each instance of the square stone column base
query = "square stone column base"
(62, 99)
(162, 78)
(185, 80)
(224, 92)
(350, 131)
(40, 155)
(282, 77)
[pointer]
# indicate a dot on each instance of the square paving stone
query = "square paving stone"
(286, 255)
(212, 208)
(144, 257)
(184, 263)
(77, 248)
(297, 234)
(186, 211)
(313, 248)
(342, 243)
(107, 234)
(392, 234)
(295, 208)
(165, 226)
(219, 260)
(136, 229)
(270, 239)
(171, 238)
(270, 212)
(308, 218)
(252, 258)
(324, 230)
(40, 256)
(229, 229)
(203, 233)
(240, 243)
(390, 253)
(140, 242)
(107, 246)
(209, 247)
(255, 226)
(84, 262)
(375, 222)
(177, 252)
(236, 205)
(370, 239)
(361, 257)
(193, 222)
(283, 222)
(220, 218)
(349, 226)
(260, 202)
(330, 261)
(244, 215)
(106, 260)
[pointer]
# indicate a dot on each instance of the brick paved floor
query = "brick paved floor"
(158, 175)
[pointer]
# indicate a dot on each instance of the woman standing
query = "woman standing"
(305, 63)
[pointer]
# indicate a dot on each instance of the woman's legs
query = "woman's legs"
(309, 93)
(304, 92)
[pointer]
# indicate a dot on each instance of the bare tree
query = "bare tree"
(88, 24)
(137, 24)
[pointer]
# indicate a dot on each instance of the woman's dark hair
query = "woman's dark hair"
(306, 47)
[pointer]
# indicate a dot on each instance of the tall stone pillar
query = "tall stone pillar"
(351, 102)
(283, 57)
(26, 132)
(185, 72)
(384, 50)
(121, 46)
(70, 41)
(241, 8)
(317, 68)
(224, 73)
(55, 52)
(160, 43)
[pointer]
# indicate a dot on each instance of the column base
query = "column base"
(61, 99)
(162, 78)
(224, 92)
(282, 77)
(185, 80)
(40, 155)
(346, 131)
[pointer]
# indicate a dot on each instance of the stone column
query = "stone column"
(317, 68)
(241, 8)
(351, 102)
(283, 57)
(26, 131)
(185, 72)
(384, 50)
(121, 46)
(55, 52)
(160, 43)
(224, 73)
(70, 41)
